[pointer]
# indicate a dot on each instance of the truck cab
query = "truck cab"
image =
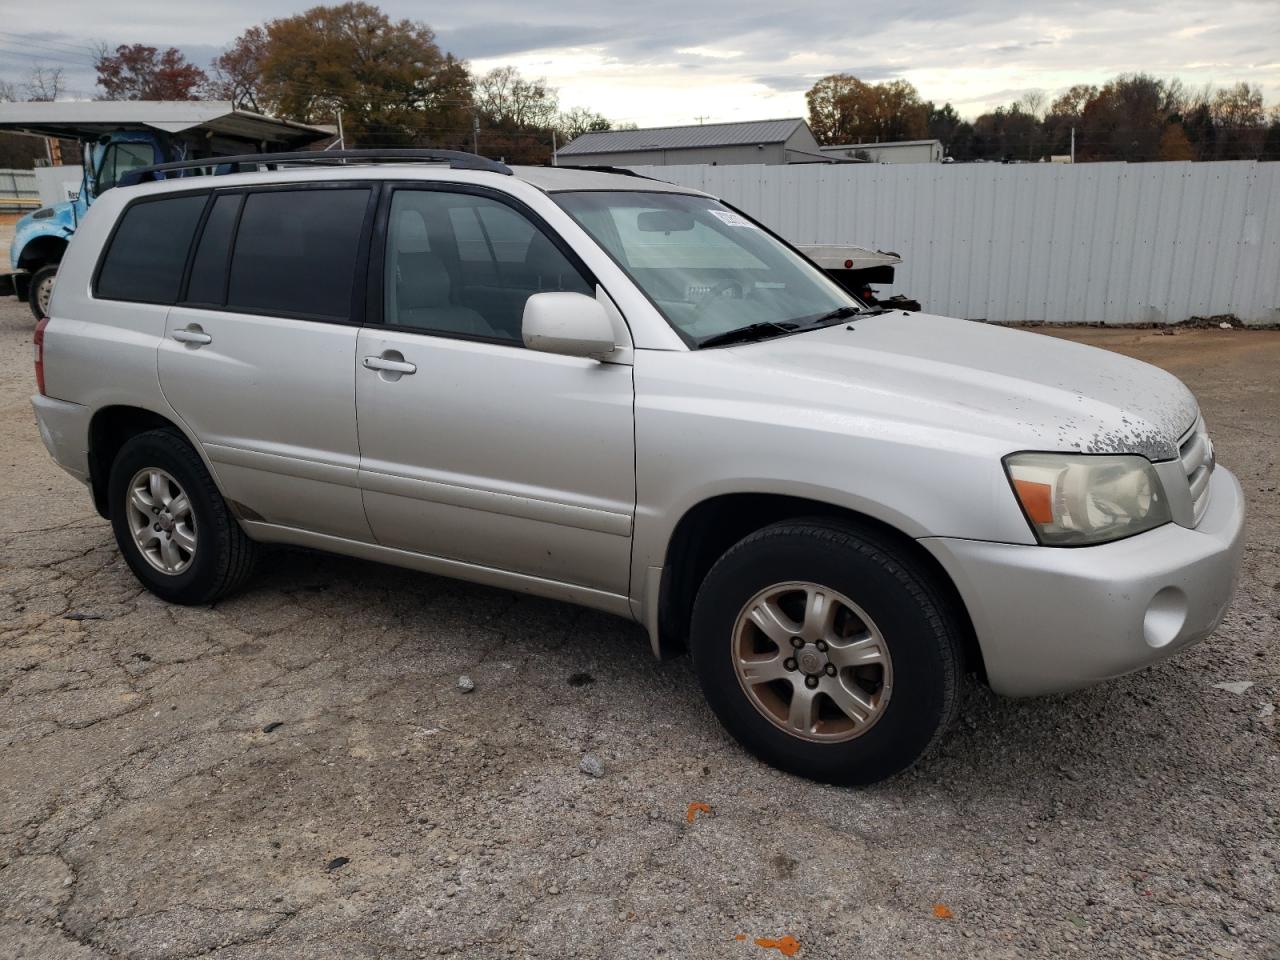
(115, 138)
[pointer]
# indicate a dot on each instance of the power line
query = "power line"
(33, 41)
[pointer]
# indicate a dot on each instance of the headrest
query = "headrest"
(411, 233)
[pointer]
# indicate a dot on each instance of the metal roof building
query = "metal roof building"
(754, 141)
(890, 151)
(74, 119)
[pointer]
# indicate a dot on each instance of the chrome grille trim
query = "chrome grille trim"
(1195, 452)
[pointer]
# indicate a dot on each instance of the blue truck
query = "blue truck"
(116, 137)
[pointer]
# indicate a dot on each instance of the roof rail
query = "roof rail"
(456, 160)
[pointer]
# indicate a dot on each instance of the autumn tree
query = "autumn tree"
(1063, 114)
(1126, 119)
(1174, 144)
(237, 72)
(388, 80)
(844, 109)
(139, 72)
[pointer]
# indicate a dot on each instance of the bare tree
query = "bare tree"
(8, 92)
(579, 120)
(237, 71)
(1033, 103)
(45, 84)
(505, 97)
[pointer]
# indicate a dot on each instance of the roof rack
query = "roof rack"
(456, 159)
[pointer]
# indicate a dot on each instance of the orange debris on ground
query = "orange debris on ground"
(788, 946)
(942, 911)
(695, 809)
(741, 936)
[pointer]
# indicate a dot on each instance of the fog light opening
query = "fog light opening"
(1166, 614)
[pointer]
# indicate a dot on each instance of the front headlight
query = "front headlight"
(1077, 499)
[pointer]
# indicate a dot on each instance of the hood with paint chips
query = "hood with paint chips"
(1026, 390)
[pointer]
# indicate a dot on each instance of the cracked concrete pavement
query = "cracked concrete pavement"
(294, 772)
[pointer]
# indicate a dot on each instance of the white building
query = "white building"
(894, 151)
(770, 142)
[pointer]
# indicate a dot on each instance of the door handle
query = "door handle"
(392, 366)
(193, 335)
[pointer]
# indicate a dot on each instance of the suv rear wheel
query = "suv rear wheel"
(40, 290)
(171, 523)
(826, 651)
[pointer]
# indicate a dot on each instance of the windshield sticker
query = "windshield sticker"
(733, 219)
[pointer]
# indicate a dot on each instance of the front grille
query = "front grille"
(1195, 451)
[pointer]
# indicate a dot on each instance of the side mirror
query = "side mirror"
(572, 324)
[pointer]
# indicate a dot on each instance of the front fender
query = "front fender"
(37, 241)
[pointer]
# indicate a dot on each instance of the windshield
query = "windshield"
(708, 269)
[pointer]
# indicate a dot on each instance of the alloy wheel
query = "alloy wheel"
(812, 662)
(161, 521)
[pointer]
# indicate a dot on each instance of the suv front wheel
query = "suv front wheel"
(171, 523)
(827, 651)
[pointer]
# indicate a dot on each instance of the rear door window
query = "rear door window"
(148, 250)
(296, 253)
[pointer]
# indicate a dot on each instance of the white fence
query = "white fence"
(1097, 242)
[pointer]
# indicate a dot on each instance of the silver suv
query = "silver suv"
(627, 395)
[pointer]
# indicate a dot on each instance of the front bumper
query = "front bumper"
(64, 428)
(1054, 619)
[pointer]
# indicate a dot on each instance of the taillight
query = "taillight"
(38, 340)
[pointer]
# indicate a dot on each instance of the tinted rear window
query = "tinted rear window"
(296, 252)
(149, 249)
(208, 281)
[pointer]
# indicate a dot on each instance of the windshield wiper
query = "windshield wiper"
(843, 313)
(752, 331)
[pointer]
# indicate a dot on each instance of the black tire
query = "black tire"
(223, 557)
(33, 289)
(920, 630)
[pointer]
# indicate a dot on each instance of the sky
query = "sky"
(669, 62)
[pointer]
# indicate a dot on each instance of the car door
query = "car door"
(257, 359)
(472, 447)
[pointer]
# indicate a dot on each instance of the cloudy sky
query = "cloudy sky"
(674, 62)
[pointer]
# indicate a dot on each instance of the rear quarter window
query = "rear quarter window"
(148, 250)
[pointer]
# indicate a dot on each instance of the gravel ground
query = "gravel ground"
(296, 772)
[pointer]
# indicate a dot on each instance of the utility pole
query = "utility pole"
(1073, 144)
(702, 118)
(555, 151)
(475, 133)
(342, 140)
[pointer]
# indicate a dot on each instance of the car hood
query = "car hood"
(1028, 390)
